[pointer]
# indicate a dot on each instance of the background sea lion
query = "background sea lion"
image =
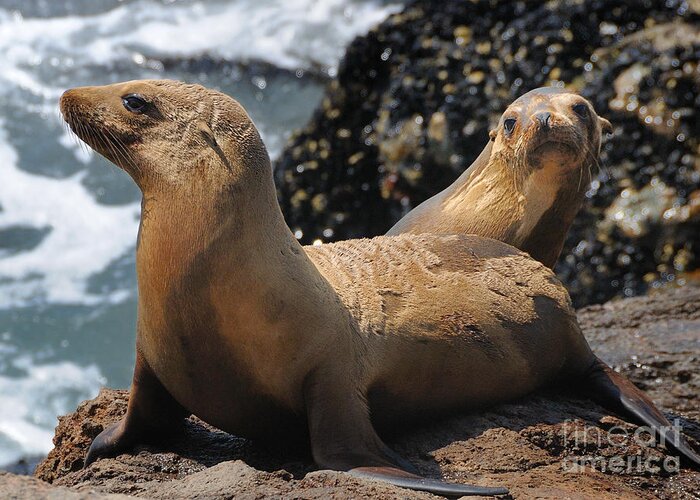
(528, 183)
(237, 324)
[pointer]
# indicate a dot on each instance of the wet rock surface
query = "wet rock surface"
(529, 445)
(414, 99)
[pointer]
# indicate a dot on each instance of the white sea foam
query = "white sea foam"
(286, 33)
(30, 402)
(84, 236)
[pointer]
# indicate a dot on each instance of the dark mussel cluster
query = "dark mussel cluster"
(640, 227)
(413, 101)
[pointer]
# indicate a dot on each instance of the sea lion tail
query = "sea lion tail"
(615, 392)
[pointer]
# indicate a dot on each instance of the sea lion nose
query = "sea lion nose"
(71, 100)
(67, 98)
(543, 118)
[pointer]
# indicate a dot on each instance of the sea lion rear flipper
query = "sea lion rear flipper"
(612, 390)
(152, 416)
(343, 439)
(402, 479)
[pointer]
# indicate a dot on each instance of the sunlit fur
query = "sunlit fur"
(142, 144)
(226, 292)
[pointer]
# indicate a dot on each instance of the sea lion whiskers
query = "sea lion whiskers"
(67, 118)
(72, 135)
(591, 162)
(85, 133)
(123, 152)
(107, 139)
(591, 159)
(106, 143)
(115, 146)
(580, 176)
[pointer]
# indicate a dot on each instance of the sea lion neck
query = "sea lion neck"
(550, 205)
(488, 182)
(182, 221)
(235, 244)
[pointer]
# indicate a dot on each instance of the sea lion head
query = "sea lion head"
(164, 133)
(549, 127)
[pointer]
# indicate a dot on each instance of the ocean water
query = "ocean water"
(68, 218)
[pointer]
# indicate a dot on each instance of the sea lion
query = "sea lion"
(528, 183)
(238, 325)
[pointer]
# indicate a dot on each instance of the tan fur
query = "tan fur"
(245, 328)
(525, 187)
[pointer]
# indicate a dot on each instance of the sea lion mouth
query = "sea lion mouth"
(557, 140)
(561, 145)
(563, 152)
(555, 137)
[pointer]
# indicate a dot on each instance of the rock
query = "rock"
(13, 487)
(76, 431)
(532, 445)
(639, 228)
(654, 340)
(414, 99)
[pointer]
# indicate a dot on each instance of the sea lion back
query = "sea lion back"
(381, 280)
(436, 311)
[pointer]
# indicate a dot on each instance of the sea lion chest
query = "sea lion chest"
(207, 346)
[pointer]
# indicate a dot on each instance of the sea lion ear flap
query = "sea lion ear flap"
(207, 134)
(605, 126)
(492, 134)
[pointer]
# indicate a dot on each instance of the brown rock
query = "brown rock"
(13, 487)
(76, 431)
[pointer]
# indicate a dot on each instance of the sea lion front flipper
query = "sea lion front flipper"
(612, 390)
(151, 417)
(343, 439)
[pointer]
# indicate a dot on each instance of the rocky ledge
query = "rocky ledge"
(532, 445)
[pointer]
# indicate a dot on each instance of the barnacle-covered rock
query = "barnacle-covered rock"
(414, 99)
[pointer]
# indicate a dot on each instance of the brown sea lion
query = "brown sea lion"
(238, 325)
(528, 183)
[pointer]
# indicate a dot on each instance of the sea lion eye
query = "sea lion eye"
(581, 110)
(134, 103)
(509, 125)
